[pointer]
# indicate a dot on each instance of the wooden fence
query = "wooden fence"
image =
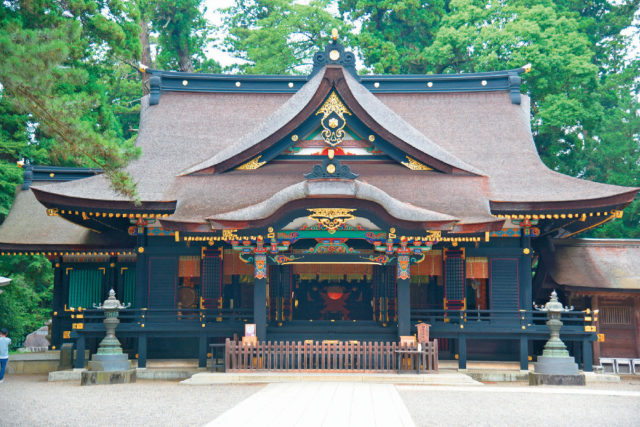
(314, 356)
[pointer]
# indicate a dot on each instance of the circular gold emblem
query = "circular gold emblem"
(372, 138)
(334, 55)
(333, 123)
(331, 168)
(294, 138)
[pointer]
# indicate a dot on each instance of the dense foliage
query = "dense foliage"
(278, 36)
(69, 95)
(583, 84)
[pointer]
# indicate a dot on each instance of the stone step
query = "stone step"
(447, 378)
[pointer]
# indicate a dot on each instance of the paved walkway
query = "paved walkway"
(320, 404)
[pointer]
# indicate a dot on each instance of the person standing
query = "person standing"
(4, 351)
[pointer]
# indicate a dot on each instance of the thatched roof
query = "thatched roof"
(479, 141)
(29, 228)
(597, 264)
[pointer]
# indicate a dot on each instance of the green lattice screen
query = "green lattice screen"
(85, 288)
(129, 286)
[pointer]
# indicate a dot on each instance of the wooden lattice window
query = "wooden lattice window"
(615, 315)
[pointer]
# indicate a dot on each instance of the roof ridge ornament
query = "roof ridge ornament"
(331, 168)
(334, 54)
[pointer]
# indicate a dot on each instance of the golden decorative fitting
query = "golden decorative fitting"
(52, 174)
(185, 83)
(333, 121)
(252, 164)
(430, 84)
(52, 212)
(526, 251)
(331, 218)
(376, 85)
(527, 68)
(372, 138)
(331, 168)
(140, 249)
(483, 83)
(415, 165)
(617, 213)
(334, 55)
(294, 138)
(331, 154)
(334, 34)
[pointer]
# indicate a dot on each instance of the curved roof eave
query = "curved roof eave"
(314, 189)
(53, 200)
(510, 207)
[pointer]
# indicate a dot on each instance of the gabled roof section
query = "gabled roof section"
(376, 116)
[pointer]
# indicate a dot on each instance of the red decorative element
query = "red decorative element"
(335, 295)
(337, 151)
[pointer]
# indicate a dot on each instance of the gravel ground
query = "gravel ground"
(27, 400)
(430, 406)
(33, 401)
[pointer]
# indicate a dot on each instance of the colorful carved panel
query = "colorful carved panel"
(351, 145)
(331, 246)
(403, 270)
(260, 271)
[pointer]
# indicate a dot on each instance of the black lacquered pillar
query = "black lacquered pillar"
(403, 279)
(260, 296)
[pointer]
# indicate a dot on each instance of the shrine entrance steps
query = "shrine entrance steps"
(440, 378)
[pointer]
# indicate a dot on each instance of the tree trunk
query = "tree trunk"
(145, 58)
(184, 59)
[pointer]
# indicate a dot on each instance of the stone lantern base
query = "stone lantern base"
(109, 369)
(108, 377)
(556, 379)
(550, 370)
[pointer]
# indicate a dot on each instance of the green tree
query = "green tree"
(583, 84)
(59, 65)
(183, 35)
(395, 33)
(67, 97)
(25, 303)
(278, 36)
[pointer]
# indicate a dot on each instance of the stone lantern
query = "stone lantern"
(555, 366)
(109, 365)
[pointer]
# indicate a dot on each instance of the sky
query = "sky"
(213, 16)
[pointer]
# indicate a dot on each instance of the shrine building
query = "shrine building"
(333, 206)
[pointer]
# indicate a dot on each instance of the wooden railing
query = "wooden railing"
(325, 356)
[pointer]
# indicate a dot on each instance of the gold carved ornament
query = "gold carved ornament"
(333, 121)
(255, 163)
(331, 218)
(415, 165)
